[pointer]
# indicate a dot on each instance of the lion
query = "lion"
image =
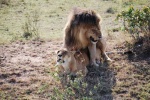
(83, 30)
(71, 62)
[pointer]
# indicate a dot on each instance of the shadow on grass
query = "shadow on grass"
(140, 59)
(99, 83)
(140, 50)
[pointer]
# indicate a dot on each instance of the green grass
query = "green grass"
(52, 15)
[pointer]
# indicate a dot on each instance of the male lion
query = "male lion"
(83, 30)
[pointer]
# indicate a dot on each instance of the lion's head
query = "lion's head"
(94, 35)
(64, 57)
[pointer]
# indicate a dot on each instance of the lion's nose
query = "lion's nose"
(59, 55)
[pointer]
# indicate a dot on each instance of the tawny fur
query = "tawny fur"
(83, 25)
(70, 62)
(80, 22)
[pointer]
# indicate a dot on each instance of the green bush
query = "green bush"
(72, 90)
(136, 21)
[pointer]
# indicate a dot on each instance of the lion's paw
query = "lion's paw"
(109, 60)
(94, 64)
(98, 62)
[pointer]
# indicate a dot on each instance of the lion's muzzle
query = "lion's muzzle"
(60, 60)
(92, 39)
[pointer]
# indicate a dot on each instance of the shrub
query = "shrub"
(136, 21)
(72, 90)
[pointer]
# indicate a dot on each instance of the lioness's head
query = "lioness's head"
(64, 57)
(94, 35)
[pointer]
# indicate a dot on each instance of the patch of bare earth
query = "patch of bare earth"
(26, 68)
(23, 68)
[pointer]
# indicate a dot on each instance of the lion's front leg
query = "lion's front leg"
(92, 50)
(102, 46)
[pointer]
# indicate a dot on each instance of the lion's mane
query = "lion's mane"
(79, 20)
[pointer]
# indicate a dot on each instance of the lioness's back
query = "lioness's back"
(82, 57)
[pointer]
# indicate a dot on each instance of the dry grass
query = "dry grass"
(52, 16)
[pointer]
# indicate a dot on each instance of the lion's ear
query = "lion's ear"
(99, 19)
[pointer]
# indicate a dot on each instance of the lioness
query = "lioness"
(70, 62)
(83, 30)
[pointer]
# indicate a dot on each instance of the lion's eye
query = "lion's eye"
(93, 30)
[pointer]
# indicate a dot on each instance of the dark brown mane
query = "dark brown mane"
(84, 16)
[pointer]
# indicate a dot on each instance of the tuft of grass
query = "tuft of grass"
(111, 10)
(72, 90)
(30, 27)
(43, 88)
(5, 2)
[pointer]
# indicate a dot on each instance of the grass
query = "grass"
(52, 16)
(111, 10)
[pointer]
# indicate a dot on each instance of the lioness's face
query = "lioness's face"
(94, 35)
(63, 57)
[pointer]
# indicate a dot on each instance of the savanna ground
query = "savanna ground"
(31, 33)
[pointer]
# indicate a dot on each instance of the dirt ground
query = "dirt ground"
(26, 67)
